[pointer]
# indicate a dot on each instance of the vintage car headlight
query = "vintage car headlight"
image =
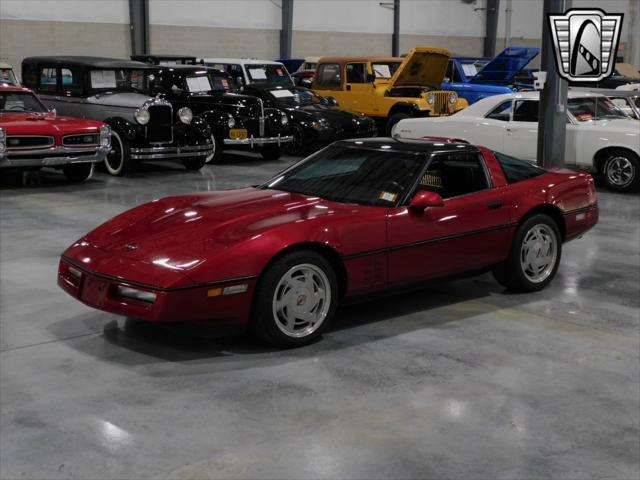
(185, 115)
(453, 98)
(284, 119)
(142, 116)
(135, 294)
(231, 122)
(105, 136)
(431, 98)
(3, 140)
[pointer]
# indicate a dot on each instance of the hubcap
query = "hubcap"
(620, 171)
(538, 253)
(213, 152)
(301, 300)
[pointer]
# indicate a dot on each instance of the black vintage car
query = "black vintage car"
(116, 92)
(166, 59)
(235, 120)
(315, 120)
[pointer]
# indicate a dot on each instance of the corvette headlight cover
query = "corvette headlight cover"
(185, 115)
(142, 116)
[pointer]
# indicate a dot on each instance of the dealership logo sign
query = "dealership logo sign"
(586, 42)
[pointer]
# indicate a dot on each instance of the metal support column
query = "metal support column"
(139, 25)
(491, 28)
(395, 43)
(286, 30)
(552, 113)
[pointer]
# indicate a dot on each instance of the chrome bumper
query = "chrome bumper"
(158, 153)
(51, 157)
(252, 141)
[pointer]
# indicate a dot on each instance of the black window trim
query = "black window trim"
(510, 100)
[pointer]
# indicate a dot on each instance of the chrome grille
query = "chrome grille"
(27, 142)
(160, 126)
(88, 140)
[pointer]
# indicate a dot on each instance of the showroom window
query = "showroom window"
(454, 174)
(49, 79)
(329, 75)
(356, 73)
(526, 111)
(501, 112)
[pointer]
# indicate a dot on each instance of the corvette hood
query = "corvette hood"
(45, 124)
(506, 65)
(181, 233)
(424, 67)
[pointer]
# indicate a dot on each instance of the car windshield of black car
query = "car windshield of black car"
(130, 80)
(267, 73)
(199, 84)
(20, 102)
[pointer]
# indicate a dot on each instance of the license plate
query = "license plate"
(238, 133)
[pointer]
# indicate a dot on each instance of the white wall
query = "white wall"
(104, 11)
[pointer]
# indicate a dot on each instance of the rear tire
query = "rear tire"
(393, 120)
(621, 171)
(534, 256)
(271, 152)
(118, 161)
(79, 172)
(194, 163)
(295, 300)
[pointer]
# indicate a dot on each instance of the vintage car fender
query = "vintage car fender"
(123, 127)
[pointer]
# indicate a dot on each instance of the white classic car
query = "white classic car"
(600, 136)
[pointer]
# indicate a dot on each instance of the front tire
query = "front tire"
(79, 172)
(118, 161)
(194, 163)
(271, 152)
(620, 171)
(393, 120)
(296, 298)
(534, 257)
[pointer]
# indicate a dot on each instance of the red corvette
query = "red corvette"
(32, 137)
(357, 217)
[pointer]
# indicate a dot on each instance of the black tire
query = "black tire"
(296, 146)
(268, 325)
(620, 171)
(512, 274)
(393, 120)
(194, 163)
(118, 161)
(271, 152)
(216, 156)
(78, 172)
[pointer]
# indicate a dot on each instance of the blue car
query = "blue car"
(477, 78)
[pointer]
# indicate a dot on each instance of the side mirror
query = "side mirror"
(331, 101)
(53, 112)
(425, 199)
(371, 77)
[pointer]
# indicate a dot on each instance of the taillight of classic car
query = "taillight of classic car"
(32, 137)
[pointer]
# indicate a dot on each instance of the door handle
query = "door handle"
(348, 87)
(494, 205)
(509, 129)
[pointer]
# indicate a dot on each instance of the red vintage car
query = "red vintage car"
(32, 137)
(357, 217)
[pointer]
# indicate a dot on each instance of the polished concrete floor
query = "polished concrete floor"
(461, 380)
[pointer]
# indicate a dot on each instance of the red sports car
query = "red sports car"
(32, 137)
(357, 217)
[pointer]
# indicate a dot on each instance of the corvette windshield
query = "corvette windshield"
(20, 102)
(594, 108)
(352, 175)
(293, 97)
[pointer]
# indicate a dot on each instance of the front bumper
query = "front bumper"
(52, 157)
(190, 303)
(253, 141)
(159, 153)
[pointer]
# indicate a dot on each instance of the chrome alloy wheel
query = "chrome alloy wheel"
(619, 171)
(538, 253)
(211, 156)
(301, 300)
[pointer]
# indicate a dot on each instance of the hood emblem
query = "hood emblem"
(129, 247)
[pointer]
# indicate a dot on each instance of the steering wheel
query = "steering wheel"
(395, 186)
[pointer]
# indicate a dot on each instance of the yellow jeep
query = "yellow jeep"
(389, 88)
